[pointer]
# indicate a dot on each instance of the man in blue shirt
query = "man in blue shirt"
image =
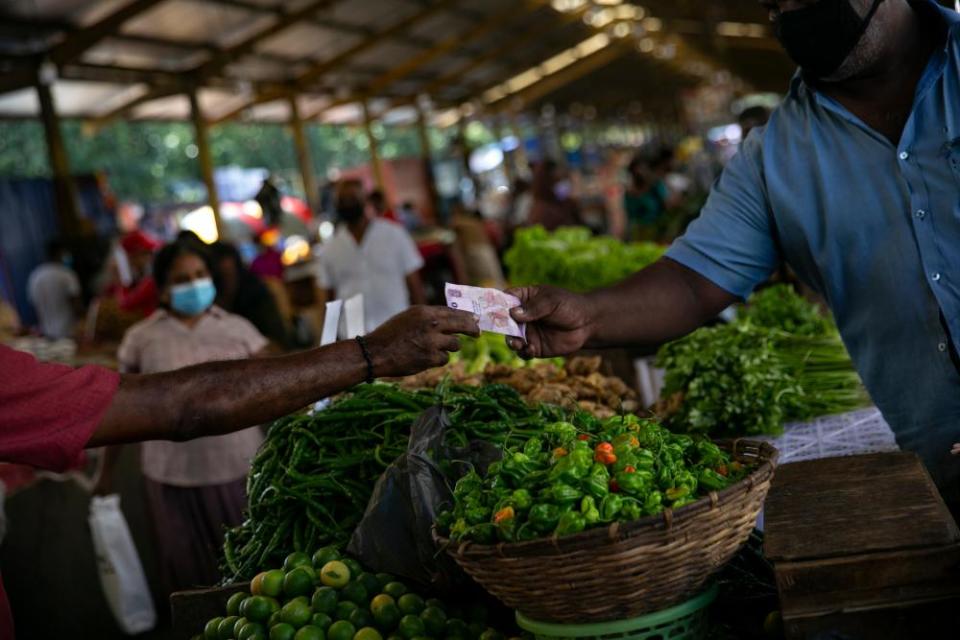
(855, 183)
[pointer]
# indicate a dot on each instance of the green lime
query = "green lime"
(325, 600)
(296, 559)
(272, 583)
(256, 582)
(325, 555)
(344, 609)
(256, 608)
(456, 628)
(369, 582)
(321, 620)
(380, 601)
(355, 567)
(361, 618)
(274, 620)
(439, 604)
(298, 582)
(211, 631)
(411, 626)
(252, 631)
(335, 574)
(384, 579)
(309, 632)
(341, 630)
(225, 630)
(367, 633)
(240, 623)
(410, 604)
(474, 629)
(435, 620)
(388, 616)
(491, 634)
(355, 592)
(297, 612)
(282, 631)
(395, 589)
(233, 603)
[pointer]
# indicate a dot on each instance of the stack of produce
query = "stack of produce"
(577, 384)
(582, 474)
(575, 259)
(327, 597)
(311, 480)
(781, 361)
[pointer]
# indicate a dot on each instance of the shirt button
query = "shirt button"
(904, 155)
(935, 276)
(942, 346)
(921, 214)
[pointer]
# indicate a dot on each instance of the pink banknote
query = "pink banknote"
(491, 305)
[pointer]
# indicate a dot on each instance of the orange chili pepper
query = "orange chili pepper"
(629, 468)
(559, 452)
(634, 442)
(604, 447)
(584, 437)
(722, 470)
(605, 457)
(504, 514)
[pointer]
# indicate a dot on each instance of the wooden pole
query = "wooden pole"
(65, 189)
(303, 157)
(426, 158)
(509, 171)
(374, 147)
(205, 158)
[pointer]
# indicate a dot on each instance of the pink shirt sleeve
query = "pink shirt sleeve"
(48, 412)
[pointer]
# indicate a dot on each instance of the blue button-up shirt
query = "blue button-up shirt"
(873, 227)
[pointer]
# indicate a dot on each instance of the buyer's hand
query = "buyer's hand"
(419, 338)
(558, 322)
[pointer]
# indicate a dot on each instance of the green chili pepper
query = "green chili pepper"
(710, 454)
(570, 523)
(676, 493)
(561, 432)
(588, 508)
(653, 503)
(562, 494)
(596, 485)
(610, 507)
(711, 480)
(533, 447)
(544, 517)
(630, 510)
(634, 482)
(521, 499)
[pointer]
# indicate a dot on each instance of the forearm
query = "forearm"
(222, 397)
(660, 303)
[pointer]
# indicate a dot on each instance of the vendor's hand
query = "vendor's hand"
(417, 339)
(558, 322)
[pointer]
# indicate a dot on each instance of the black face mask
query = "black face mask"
(820, 37)
(350, 212)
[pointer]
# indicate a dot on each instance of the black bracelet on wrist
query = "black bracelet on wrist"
(366, 356)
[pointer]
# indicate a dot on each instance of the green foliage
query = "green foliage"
(572, 258)
(779, 307)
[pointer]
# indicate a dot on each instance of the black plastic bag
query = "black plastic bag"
(394, 535)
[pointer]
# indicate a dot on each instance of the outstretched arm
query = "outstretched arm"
(221, 397)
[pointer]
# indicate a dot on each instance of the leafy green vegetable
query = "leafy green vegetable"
(780, 361)
(572, 258)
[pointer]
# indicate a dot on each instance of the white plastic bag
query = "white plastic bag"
(121, 574)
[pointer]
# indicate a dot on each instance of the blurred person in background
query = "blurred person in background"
(268, 197)
(371, 256)
(409, 216)
(553, 205)
(9, 321)
(195, 488)
(139, 296)
(269, 260)
(241, 292)
(751, 118)
(380, 208)
(54, 291)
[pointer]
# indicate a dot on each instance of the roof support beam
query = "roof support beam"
(65, 189)
(205, 159)
(84, 39)
(318, 69)
(374, 146)
(303, 157)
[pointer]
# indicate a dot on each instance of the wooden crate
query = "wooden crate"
(863, 546)
(192, 609)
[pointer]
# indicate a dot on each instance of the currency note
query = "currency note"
(490, 305)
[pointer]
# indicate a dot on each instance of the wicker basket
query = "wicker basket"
(626, 569)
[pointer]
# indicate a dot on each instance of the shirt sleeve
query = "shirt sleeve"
(410, 258)
(48, 412)
(73, 283)
(323, 272)
(731, 242)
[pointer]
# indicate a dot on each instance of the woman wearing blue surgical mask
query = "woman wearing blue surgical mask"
(195, 488)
